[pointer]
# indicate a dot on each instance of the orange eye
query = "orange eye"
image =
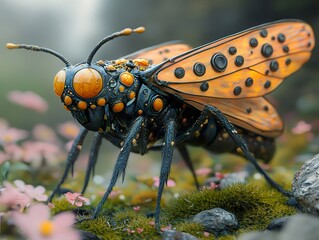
(87, 83)
(59, 82)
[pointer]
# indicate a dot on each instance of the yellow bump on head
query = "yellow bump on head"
(59, 82)
(12, 46)
(93, 106)
(66, 108)
(158, 105)
(127, 79)
(139, 30)
(101, 102)
(141, 62)
(140, 112)
(126, 31)
(67, 100)
(131, 95)
(82, 105)
(46, 228)
(118, 107)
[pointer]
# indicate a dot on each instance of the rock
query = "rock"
(217, 221)
(278, 223)
(233, 178)
(266, 235)
(306, 186)
(175, 235)
(300, 226)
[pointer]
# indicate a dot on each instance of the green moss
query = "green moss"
(100, 227)
(254, 206)
(60, 205)
(192, 228)
(135, 225)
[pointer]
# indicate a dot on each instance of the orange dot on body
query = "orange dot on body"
(68, 100)
(59, 82)
(132, 95)
(127, 79)
(158, 104)
(82, 105)
(121, 88)
(118, 107)
(87, 82)
(101, 102)
(140, 112)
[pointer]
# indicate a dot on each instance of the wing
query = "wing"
(161, 52)
(249, 64)
(254, 114)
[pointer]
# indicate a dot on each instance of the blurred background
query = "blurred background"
(73, 28)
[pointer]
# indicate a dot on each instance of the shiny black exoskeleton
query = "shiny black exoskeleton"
(116, 100)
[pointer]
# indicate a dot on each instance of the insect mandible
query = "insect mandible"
(169, 96)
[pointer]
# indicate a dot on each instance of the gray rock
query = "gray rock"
(306, 186)
(300, 226)
(233, 178)
(278, 223)
(217, 221)
(266, 235)
(175, 235)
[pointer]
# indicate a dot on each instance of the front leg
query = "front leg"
(167, 155)
(72, 157)
(121, 162)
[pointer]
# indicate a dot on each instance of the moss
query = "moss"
(145, 198)
(61, 204)
(135, 225)
(100, 227)
(254, 206)
(192, 228)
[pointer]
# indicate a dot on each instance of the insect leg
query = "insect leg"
(94, 152)
(185, 155)
(167, 155)
(121, 162)
(230, 129)
(72, 157)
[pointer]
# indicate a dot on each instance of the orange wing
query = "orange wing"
(235, 72)
(161, 52)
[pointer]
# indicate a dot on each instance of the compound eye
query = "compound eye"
(87, 83)
(59, 82)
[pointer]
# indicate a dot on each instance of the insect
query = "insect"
(169, 96)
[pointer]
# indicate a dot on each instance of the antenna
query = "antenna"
(124, 32)
(38, 49)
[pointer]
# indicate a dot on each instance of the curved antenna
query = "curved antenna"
(38, 49)
(124, 32)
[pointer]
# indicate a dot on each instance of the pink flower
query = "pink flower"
(44, 133)
(219, 175)
(12, 135)
(136, 208)
(76, 199)
(68, 130)
(152, 223)
(206, 234)
(170, 182)
(29, 100)
(37, 151)
(3, 157)
(114, 194)
(37, 224)
(163, 229)
(203, 171)
(301, 127)
(139, 230)
(37, 193)
(14, 151)
(13, 198)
